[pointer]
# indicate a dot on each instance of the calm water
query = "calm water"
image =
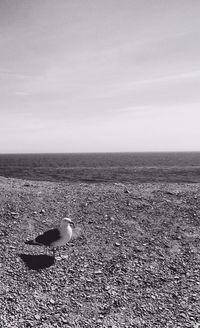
(103, 167)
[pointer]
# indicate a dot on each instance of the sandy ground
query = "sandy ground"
(134, 260)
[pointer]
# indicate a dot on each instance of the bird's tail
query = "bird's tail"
(31, 242)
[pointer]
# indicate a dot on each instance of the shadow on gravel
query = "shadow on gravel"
(37, 262)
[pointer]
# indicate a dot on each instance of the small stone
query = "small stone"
(169, 193)
(52, 301)
(42, 211)
(37, 317)
(64, 256)
(117, 244)
(58, 258)
(14, 214)
(98, 272)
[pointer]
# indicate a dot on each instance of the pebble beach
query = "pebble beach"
(134, 260)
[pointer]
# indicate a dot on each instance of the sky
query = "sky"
(99, 75)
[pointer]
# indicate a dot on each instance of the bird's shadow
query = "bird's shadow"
(37, 262)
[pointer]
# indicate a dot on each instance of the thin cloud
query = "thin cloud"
(97, 66)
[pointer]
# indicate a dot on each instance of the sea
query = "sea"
(104, 167)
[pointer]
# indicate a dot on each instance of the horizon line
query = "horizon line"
(101, 152)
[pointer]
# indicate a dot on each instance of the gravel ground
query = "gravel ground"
(134, 260)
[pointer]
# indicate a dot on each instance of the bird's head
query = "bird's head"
(66, 222)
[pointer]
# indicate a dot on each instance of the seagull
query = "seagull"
(55, 237)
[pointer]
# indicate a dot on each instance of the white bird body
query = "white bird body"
(65, 235)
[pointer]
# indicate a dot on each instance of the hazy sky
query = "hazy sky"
(99, 75)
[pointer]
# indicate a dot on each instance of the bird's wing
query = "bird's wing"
(48, 237)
